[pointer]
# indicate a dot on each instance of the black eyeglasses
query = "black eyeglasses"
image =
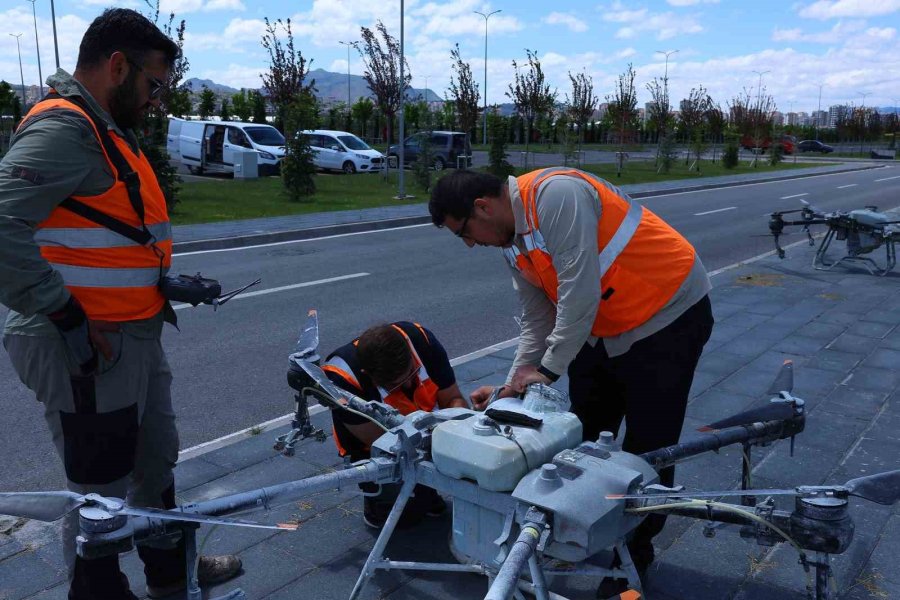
(461, 232)
(156, 86)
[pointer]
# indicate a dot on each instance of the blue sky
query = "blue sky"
(849, 47)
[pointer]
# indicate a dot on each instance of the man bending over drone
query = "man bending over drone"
(403, 365)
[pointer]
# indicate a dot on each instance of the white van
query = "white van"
(209, 146)
(339, 150)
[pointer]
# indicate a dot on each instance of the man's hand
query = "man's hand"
(481, 396)
(527, 374)
(96, 329)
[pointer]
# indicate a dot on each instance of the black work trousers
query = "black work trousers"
(648, 387)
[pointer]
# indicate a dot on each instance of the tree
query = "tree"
(285, 81)
(297, 168)
(382, 72)
(448, 115)
(225, 110)
(529, 93)
(464, 92)
(694, 109)
(582, 104)
(362, 111)
(241, 106)
(753, 119)
(622, 107)
(258, 103)
(498, 133)
(207, 104)
(715, 121)
(175, 100)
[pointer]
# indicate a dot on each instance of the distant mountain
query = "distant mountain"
(330, 87)
(196, 86)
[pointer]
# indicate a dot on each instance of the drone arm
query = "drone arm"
(750, 434)
(522, 550)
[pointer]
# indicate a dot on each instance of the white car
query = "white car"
(342, 151)
(210, 146)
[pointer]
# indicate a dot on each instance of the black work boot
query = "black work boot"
(99, 579)
(211, 570)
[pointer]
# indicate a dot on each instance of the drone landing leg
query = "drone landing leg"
(634, 580)
(823, 575)
(386, 531)
(537, 578)
(819, 262)
(193, 585)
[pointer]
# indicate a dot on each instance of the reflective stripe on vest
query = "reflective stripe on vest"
(642, 260)
(114, 278)
(96, 237)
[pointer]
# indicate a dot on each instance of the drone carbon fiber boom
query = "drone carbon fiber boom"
(551, 507)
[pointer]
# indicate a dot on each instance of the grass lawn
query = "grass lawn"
(227, 200)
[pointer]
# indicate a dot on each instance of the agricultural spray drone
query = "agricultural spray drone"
(530, 499)
(864, 230)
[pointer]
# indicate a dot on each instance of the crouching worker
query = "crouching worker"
(403, 365)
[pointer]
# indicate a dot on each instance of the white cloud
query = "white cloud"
(238, 34)
(831, 9)
(636, 23)
(569, 20)
(179, 7)
(691, 2)
(840, 32)
(234, 75)
(213, 5)
(70, 29)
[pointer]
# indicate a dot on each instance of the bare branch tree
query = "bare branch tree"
(753, 118)
(464, 93)
(659, 106)
(382, 72)
(623, 106)
(285, 81)
(715, 120)
(529, 93)
(583, 103)
(694, 109)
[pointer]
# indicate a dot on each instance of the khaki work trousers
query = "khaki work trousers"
(115, 432)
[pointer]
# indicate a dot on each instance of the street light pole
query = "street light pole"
(486, 17)
(55, 43)
(38, 46)
(758, 110)
(348, 44)
(21, 73)
(819, 112)
(401, 191)
(665, 86)
(862, 119)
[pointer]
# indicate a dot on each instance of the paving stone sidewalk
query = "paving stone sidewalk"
(842, 330)
(200, 236)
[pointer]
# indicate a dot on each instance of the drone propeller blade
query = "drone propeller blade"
(784, 382)
(43, 506)
(308, 342)
(774, 411)
(883, 488)
(175, 515)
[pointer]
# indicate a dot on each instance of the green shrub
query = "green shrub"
(297, 168)
(730, 155)
(777, 154)
(498, 130)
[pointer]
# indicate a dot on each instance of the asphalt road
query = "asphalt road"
(230, 365)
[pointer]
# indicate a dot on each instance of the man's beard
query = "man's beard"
(124, 106)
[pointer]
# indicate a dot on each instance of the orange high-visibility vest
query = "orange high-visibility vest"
(113, 277)
(643, 261)
(424, 397)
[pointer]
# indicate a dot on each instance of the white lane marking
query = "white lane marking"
(794, 196)
(315, 239)
(205, 447)
(284, 288)
(889, 178)
(720, 188)
(840, 187)
(709, 212)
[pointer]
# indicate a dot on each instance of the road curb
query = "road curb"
(309, 233)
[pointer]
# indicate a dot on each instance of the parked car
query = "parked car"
(446, 146)
(210, 146)
(814, 146)
(788, 142)
(339, 150)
